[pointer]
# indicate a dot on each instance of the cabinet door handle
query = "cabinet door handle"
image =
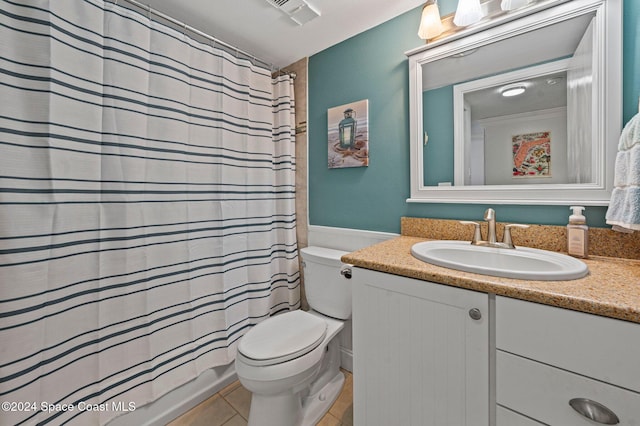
(475, 313)
(594, 411)
(346, 271)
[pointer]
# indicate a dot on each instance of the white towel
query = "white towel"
(624, 209)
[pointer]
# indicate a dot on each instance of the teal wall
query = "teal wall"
(372, 66)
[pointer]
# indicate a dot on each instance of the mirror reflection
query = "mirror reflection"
(511, 132)
(518, 111)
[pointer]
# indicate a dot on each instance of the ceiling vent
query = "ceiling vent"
(277, 3)
(299, 11)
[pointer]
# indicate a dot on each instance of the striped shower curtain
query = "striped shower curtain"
(146, 208)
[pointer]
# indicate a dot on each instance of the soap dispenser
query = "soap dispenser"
(577, 233)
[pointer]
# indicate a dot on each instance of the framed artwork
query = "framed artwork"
(348, 135)
(531, 155)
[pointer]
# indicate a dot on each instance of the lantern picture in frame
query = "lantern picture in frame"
(348, 135)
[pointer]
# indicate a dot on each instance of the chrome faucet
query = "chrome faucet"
(490, 218)
(491, 241)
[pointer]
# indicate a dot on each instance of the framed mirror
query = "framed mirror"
(522, 109)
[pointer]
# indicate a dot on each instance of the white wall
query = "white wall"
(476, 151)
(498, 157)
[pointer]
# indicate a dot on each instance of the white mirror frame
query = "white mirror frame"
(607, 80)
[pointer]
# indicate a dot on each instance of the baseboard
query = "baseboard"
(346, 359)
(345, 238)
(180, 400)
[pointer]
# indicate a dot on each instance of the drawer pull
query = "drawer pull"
(594, 411)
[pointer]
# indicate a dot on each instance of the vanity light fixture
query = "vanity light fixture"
(430, 22)
(513, 4)
(513, 90)
(468, 12)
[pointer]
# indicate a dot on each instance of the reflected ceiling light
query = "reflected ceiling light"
(513, 4)
(430, 23)
(468, 12)
(513, 90)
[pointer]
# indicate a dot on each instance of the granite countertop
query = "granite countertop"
(611, 289)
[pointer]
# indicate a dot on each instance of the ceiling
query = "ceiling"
(261, 30)
(543, 92)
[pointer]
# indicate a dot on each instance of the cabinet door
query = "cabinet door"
(419, 358)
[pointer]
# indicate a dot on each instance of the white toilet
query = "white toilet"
(291, 362)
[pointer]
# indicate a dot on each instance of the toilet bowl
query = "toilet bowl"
(291, 362)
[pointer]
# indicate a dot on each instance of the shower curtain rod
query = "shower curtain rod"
(189, 28)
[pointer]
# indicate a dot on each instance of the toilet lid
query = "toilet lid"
(282, 338)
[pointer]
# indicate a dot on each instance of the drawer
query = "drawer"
(506, 417)
(603, 348)
(543, 393)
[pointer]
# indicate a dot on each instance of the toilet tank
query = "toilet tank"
(328, 292)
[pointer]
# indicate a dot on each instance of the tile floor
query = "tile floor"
(230, 407)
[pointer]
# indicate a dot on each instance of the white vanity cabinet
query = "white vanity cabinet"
(547, 357)
(420, 352)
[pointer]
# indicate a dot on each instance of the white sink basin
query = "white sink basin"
(521, 263)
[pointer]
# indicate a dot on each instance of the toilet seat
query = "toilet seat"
(282, 338)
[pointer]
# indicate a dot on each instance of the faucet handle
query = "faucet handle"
(506, 239)
(476, 233)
